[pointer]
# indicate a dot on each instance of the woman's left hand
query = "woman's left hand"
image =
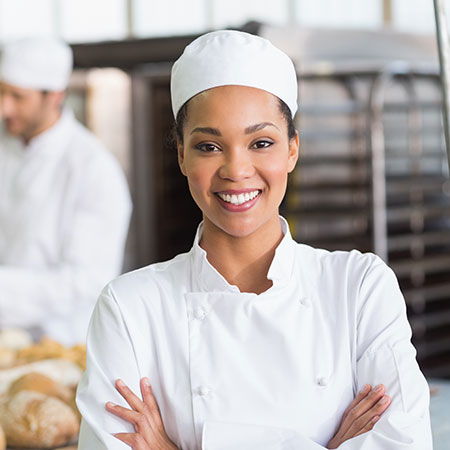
(144, 415)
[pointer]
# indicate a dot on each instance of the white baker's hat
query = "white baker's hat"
(37, 63)
(230, 57)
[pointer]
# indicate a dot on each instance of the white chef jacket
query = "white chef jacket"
(273, 371)
(64, 215)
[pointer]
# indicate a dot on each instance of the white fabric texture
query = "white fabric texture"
(230, 57)
(64, 215)
(273, 371)
(36, 63)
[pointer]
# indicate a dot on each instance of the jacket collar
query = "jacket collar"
(207, 279)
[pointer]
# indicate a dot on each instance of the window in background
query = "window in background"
(416, 19)
(235, 13)
(341, 14)
(108, 112)
(22, 18)
(169, 17)
(87, 20)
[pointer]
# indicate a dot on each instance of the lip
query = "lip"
(237, 191)
(238, 208)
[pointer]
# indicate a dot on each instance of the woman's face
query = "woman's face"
(236, 155)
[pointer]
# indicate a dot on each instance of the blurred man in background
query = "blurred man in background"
(64, 201)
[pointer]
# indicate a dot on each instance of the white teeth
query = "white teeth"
(238, 199)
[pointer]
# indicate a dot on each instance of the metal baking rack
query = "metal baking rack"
(373, 175)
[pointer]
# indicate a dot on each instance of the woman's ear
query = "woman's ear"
(180, 152)
(293, 152)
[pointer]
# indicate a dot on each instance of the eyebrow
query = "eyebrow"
(207, 130)
(249, 130)
(259, 126)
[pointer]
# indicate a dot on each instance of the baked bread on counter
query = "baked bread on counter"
(38, 383)
(34, 420)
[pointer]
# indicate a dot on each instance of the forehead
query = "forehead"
(233, 103)
(6, 88)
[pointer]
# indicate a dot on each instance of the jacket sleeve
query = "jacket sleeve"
(110, 355)
(384, 355)
(91, 254)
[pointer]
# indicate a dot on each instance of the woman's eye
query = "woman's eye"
(207, 148)
(262, 144)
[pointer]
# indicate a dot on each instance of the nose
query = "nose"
(237, 165)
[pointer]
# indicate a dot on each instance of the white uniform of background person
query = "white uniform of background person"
(246, 371)
(64, 208)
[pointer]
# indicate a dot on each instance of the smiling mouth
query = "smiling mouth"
(239, 199)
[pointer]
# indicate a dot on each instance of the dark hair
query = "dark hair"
(179, 121)
(286, 113)
(177, 131)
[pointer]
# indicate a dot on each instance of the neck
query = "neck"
(243, 261)
(44, 126)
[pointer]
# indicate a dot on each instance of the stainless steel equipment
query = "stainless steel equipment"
(373, 175)
(373, 171)
(444, 61)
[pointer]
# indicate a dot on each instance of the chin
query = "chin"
(239, 232)
(238, 227)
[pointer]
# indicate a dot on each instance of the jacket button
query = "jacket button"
(322, 381)
(203, 391)
(199, 313)
(305, 302)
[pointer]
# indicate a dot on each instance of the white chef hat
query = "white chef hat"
(230, 57)
(37, 63)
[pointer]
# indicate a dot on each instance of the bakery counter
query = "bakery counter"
(38, 382)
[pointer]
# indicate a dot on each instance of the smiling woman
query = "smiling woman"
(251, 340)
(236, 155)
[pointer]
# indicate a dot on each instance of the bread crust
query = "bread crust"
(38, 382)
(35, 420)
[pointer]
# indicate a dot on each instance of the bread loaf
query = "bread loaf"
(15, 338)
(2, 439)
(39, 382)
(47, 348)
(73, 404)
(7, 357)
(61, 370)
(34, 420)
